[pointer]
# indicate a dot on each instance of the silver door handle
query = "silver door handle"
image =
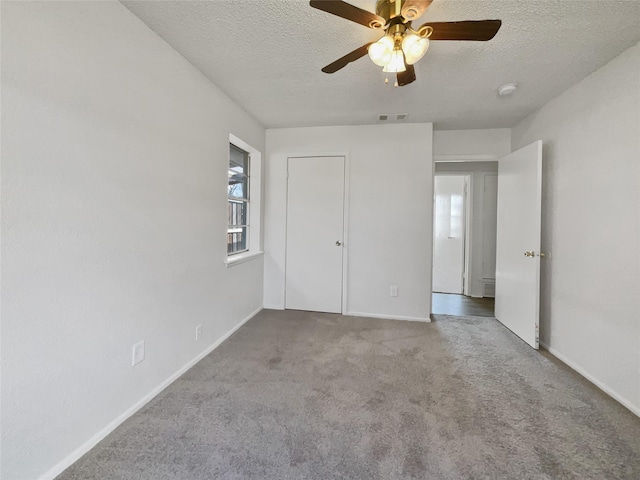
(338, 243)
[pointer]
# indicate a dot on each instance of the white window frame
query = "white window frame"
(254, 226)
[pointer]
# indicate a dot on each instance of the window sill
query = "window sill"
(241, 258)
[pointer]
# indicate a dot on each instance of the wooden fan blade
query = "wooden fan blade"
(349, 12)
(413, 9)
(347, 59)
(475, 30)
(406, 77)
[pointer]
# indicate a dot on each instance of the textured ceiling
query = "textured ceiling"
(267, 56)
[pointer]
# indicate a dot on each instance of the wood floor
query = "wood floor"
(450, 304)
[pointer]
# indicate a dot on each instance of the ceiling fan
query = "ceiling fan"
(401, 46)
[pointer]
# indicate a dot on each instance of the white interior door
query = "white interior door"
(448, 232)
(315, 213)
(518, 242)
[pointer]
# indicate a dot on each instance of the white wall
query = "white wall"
(390, 213)
(114, 172)
(590, 309)
(482, 251)
(471, 145)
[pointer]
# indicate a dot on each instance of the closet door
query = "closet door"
(315, 223)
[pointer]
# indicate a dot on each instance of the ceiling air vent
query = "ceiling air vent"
(392, 117)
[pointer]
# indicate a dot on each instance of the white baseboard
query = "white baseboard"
(93, 441)
(274, 307)
(602, 386)
(389, 317)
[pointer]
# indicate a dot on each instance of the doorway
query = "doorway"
(467, 202)
(449, 233)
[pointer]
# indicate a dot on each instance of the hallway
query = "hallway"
(460, 305)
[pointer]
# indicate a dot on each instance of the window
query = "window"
(238, 193)
(244, 194)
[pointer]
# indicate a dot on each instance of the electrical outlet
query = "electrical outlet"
(198, 332)
(137, 353)
(393, 291)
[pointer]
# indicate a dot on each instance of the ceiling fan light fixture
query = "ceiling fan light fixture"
(380, 52)
(401, 45)
(396, 64)
(414, 47)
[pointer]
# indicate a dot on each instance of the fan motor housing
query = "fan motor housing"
(389, 9)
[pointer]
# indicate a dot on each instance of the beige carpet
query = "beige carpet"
(300, 395)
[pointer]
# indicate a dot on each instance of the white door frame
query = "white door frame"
(468, 213)
(345, 218)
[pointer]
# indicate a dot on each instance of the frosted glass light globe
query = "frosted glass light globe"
(380, 51)
(414, 47)
(397, 62)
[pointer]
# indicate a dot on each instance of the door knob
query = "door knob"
(529, 254)
(338, 243)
